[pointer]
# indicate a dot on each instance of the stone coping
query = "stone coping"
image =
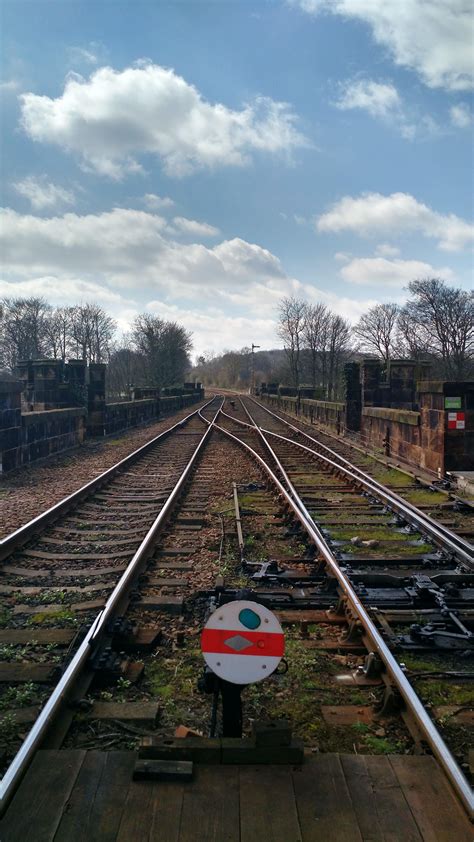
(52, 414)
(402, 416)
(139, 401)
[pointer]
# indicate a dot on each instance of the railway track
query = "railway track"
(407, 575)
(73, 567)
(144, 549)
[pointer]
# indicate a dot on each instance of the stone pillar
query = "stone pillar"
(402, 383)
(371, 375)
(96, 400)
(353, 396)
(76, 375)
(47, 376)
(432, 425)
(24, 372)
(10, 424)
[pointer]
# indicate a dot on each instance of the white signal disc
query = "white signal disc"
(242, 642)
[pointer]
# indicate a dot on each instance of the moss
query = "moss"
(45, 618)
(369, 533)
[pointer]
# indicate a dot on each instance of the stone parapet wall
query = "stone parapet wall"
(28, 436)
(41, 434)
(125, 414)
(10, 424)
(330, 414)
(120, 416)
(397, 432)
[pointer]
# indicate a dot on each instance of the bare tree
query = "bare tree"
(92, 330)
(23, 330)
(443, 318)
(126, 369)
(315, 334)
(337, 350)
(377, 330)
(291, 328)
(58, 332)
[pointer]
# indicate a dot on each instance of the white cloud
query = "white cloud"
(432, 37)
(122, 245)
(91, 54)
(382, 101)
(461, 116)
(379, 99)
(400, 213)
(42, 193)
(191, 226)
(217, 330)
(342, 257)
(227, 295)
(380, 272)
(386, 250)
(9, 86)
(154, 202)
(115, 115)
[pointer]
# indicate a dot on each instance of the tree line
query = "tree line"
(155, 353)
(435, 324)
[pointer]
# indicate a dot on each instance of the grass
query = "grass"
(393, 477)
(18, 697)
(5, 617)
(445, 693)
(421, 496)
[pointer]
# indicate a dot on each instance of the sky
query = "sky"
(200, 160)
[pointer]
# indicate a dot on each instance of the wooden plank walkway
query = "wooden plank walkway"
(79, 796)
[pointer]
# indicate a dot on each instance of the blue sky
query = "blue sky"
(199, 160)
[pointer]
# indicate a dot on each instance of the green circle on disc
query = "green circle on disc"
(249, 618)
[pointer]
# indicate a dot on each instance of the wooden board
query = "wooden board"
(267, 805)
(77, 816)
(394, 815)
(95, 811)
(439, 815)
(363, 799)
(51, 778)
(143, 713)
(211, 806)
(62, 637)
(15, 672)
(76, 796)
(324, 804)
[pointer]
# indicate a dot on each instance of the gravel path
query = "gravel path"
(26, 493)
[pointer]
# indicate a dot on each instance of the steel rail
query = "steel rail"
(464, 545)
(25, 532)
(89, 645)
(444, 537)
(455, 775)
(436, 534)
